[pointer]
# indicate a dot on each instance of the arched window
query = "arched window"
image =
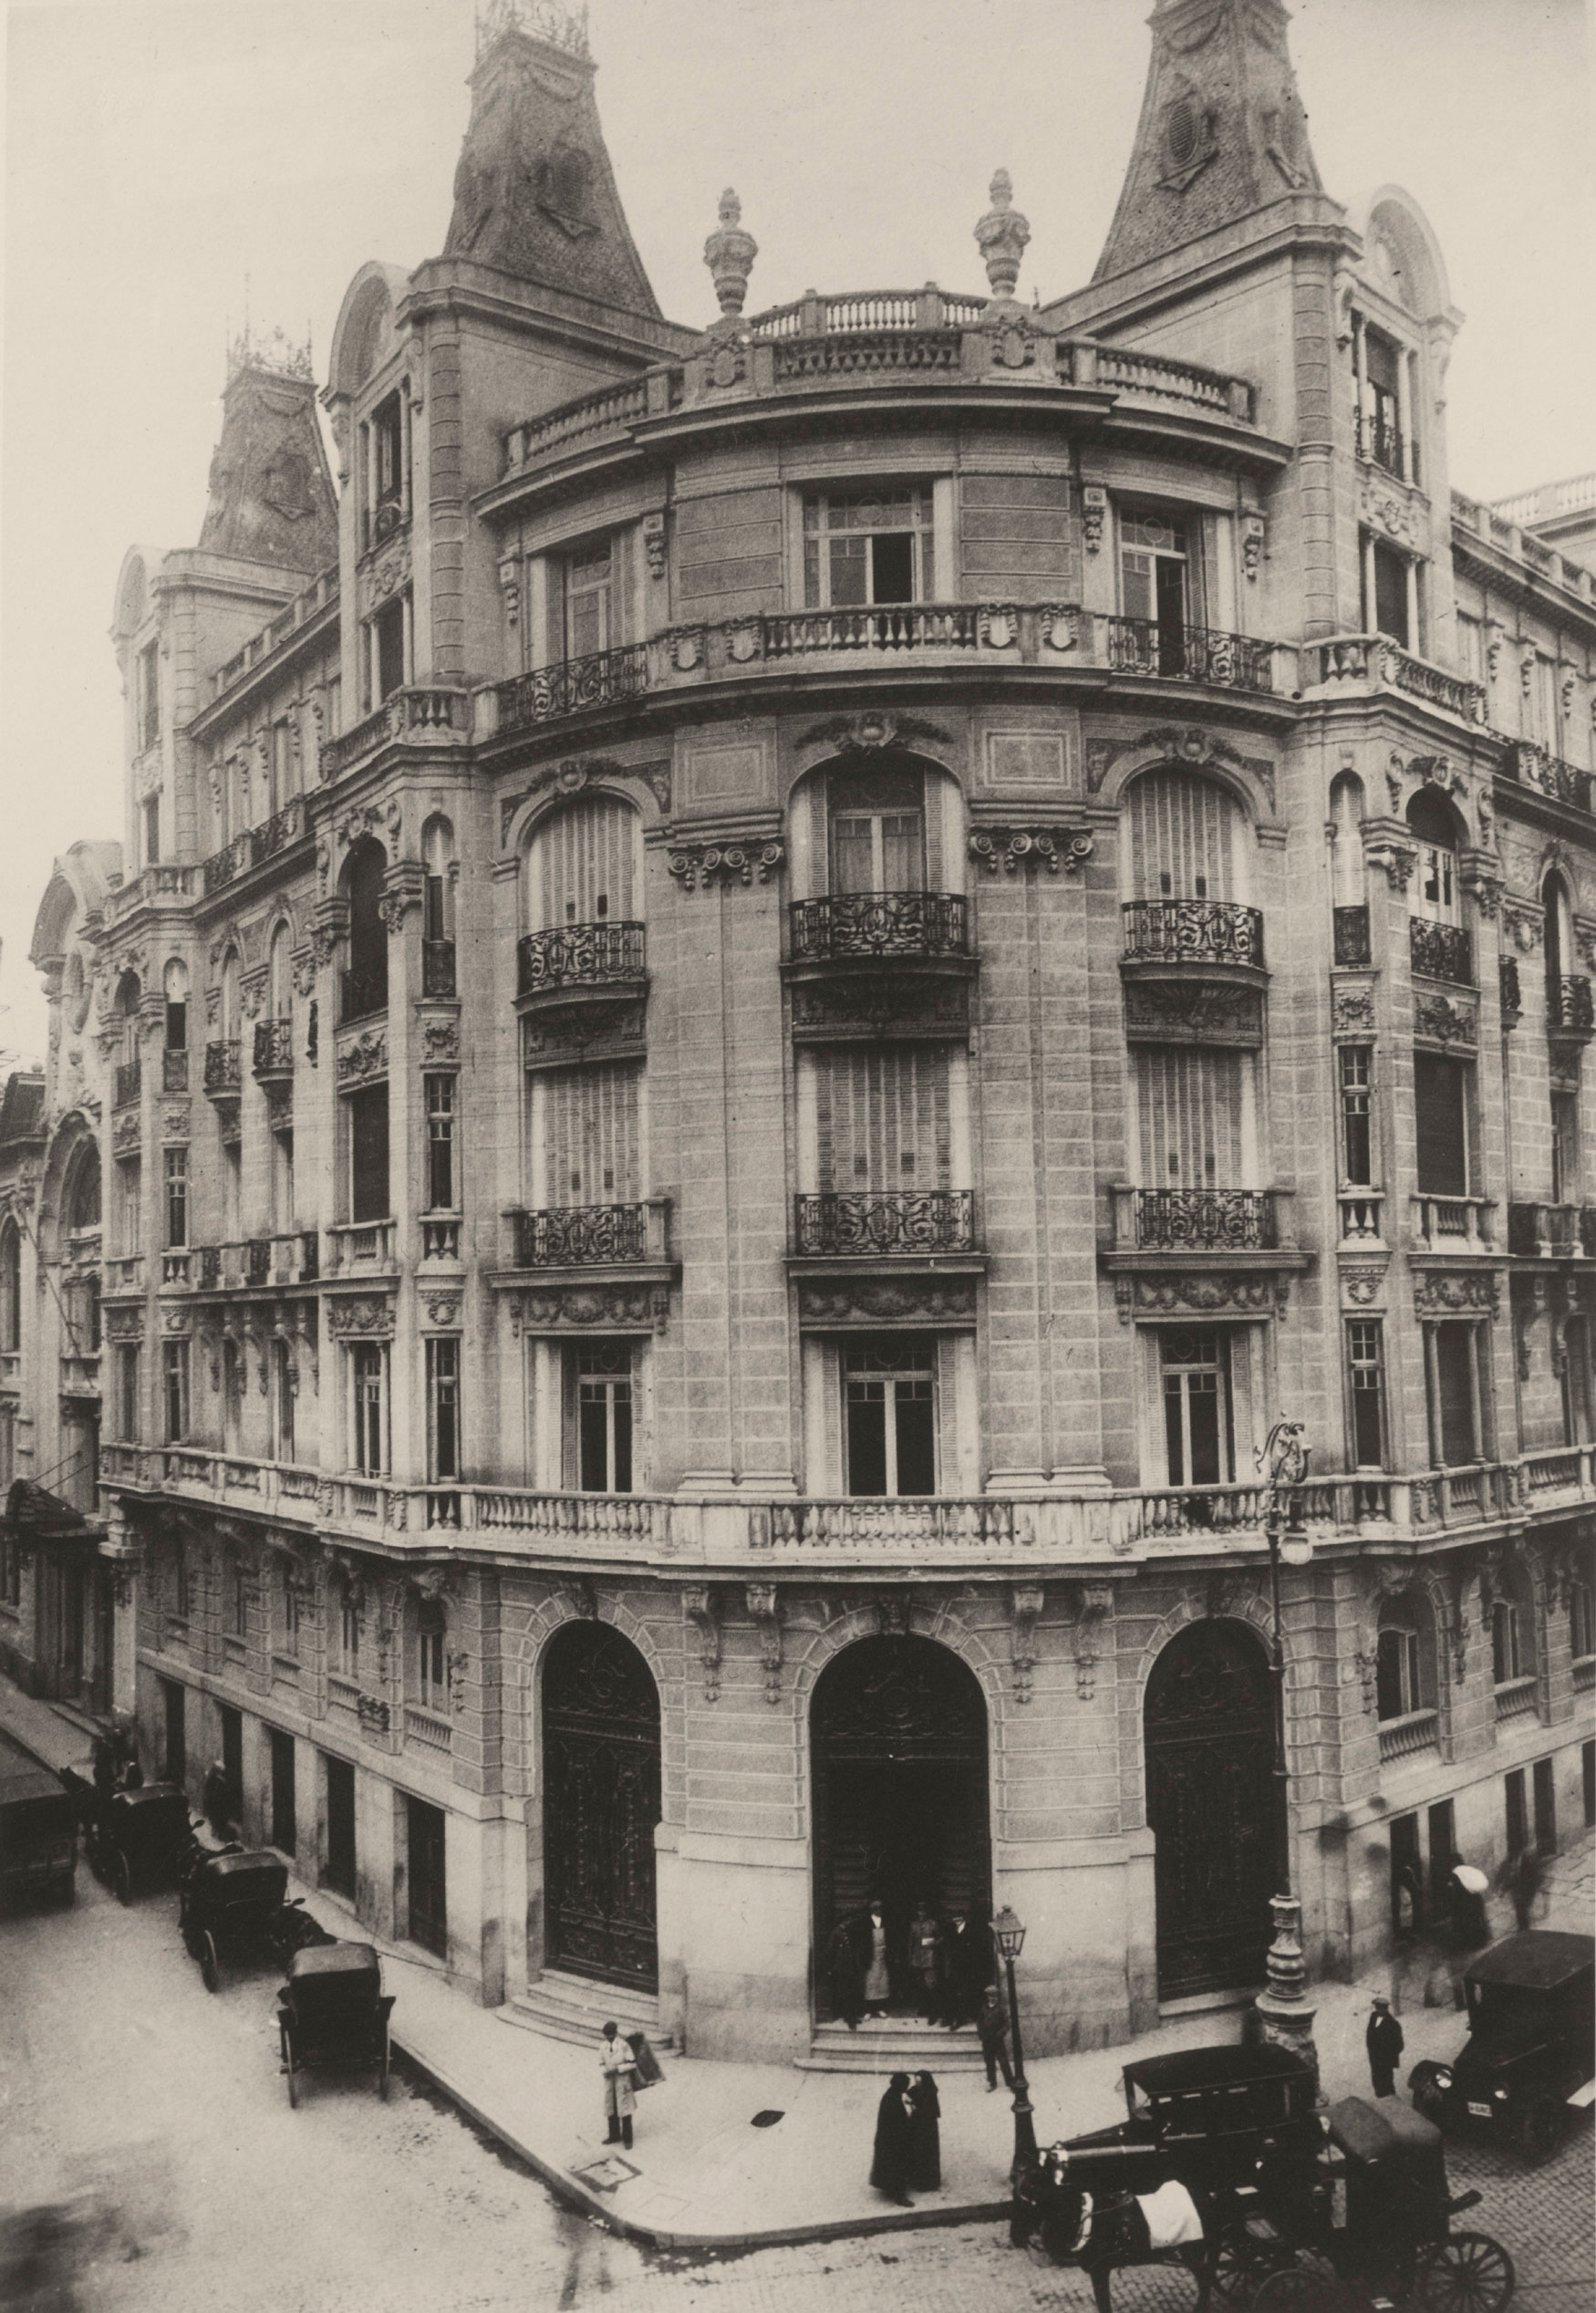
(1183, 838)
(1563, 992)
(437, 909)
(280, 982)
(1512, 1637)
(1436, 887)
(1583, 1618)
(344, 1628)
(10, 1287)
(174, 988)
(1405, 1672)
(428, 1655)
(583, 867)
(227, 1017)
(1349, 890)
(81, 1204)
(130, 995)
(366, 981)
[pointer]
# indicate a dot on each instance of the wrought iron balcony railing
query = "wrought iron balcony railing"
(1507, 979)
(1190, 654)
(361, 993)
(872, 1223)
(174, 1072)
(1533, 766)
(438, 968)
(572, 956)
(130, 1076)
(1228, 1219)
(1380, 441)
(581, 1236)
(1351, 935)
(1442, 951)
(222, 1066)
(879, 923)
(603, 679)
(1192, 931)
(1569, 1007)
(273, 1048)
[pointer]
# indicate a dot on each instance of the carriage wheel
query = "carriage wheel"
(209, 1968)
(1468, 2273)
(1242, 2265)
(122, 1880)
(1295, 2288)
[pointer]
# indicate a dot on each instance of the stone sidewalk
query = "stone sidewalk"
(703, 2176)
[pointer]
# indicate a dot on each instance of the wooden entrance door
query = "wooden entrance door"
(429, 1904)
(339, 1874)
(601, 1805)
(1208, 1724)
(898, 1736)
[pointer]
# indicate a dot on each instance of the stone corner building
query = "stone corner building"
(769, 989)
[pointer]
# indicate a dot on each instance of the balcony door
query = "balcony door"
(889, 1409)
(1183, 836)
(878, 832)
(583, 867)
(1158, 577)
(1199, 1423)
(586, 1135)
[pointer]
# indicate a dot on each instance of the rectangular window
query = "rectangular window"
(1386, 592)
(1366, 1379)
(348, 1642)
(127, 1389)
(1397, 1689)
(177, 1027)
(175, 1389)
(1518, 1812)
(889, 1396)
(232, 1189)
(1544, 1785)
(368, 1372)
(282, 766)
(176, 1163)
(1357, 1072)
(442, 1406)
(388, 462)
(149, 694)
(232, 1392)
(130, 1203)
(367, 1121)
(586, 1135)
(869, 545)
(285, 1827)
(604, 1417)
(1159, 563)
(1198, 1424)
(1565, 1149)
(1581, 1623)
(1441, 1124)
(1454, 1395)
(878, 825)
(153, 831)
(388, 649)
(282, 1386)
(1507, 1655)
(339, 1871)
(588, 579)
(438, 1093)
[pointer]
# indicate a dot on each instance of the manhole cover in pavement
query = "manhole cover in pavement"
(766, 2120)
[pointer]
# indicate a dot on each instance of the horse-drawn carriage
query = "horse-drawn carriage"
(332, 2013)
(1223, 2165)
(235, 1904)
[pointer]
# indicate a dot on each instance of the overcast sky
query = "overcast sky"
(161, 153)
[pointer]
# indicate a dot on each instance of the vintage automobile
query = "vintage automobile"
(38, 1830)
(332, 2013)
(141, 1839)
(1396, 2244)
(1527, 2062)
(237, 1905)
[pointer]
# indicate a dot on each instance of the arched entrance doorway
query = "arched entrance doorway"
(1208, 1725)
(898, 1747)
(601, 1803)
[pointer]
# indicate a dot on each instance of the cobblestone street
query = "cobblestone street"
(153, 2162)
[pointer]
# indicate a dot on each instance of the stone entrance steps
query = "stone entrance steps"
(892, 2044)
(574, 2008)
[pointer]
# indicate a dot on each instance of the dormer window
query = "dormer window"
(864, 546)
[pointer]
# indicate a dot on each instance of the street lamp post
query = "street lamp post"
(1009, 1937)
(1284, 2013)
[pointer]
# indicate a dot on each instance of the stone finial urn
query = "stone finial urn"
(730, 253)
(1001, 235)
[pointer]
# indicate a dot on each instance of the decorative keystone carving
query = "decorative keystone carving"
(1001, 236)
(1025, 1604)
(584, 1598)
(893, 1610)
(764, 1603)
(1443, 1293)
(701, 1608)
(1013, 848)
(730, 253)
(873, 729)
(720, 865)
(1094, 1604)
(1398, 860)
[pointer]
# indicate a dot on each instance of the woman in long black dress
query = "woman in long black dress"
(924, 2134)
(889, 2171)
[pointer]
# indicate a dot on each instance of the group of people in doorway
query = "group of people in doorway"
(937, 1965)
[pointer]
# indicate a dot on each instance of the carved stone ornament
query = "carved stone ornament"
(717, 866)
(1449, 1293)
(764, 1603)
(1363, 1284)
(302, 961)
(364, 1058)
(1207, 1292)
(440, 1040)
(387, 574)
(1188, 744)
(124, 1322)
(1059, 625)
(1252, 538)
(998, 625)
(614, 1307)
(730, 252)
(653, 543)
(1164, 1011)
(509, 589)
(1001, 236)
(1527, 923)
(442, 1309)
(584, 1598)
(1093, 514)
(370, 1314)
(1398, 860)
(871, 730)
(874, 1301)
(1093, 1606)
(1442, 1022)
(569, 778)
(1014, 848)
(1026, 1600)
(1354, 1012)
(702, 1606)
(1383, 510)
(125, 1133)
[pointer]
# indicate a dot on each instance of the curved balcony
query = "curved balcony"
(274, 1056)
(868, 965)
(577, 963)
(848, 926)
(1200, 932)
(1177, 653)
(222, 1068)
(877, 1224)
(1441, 951)
(1569, 1010)
(1193, 972)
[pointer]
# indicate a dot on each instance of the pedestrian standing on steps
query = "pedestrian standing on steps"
(615, 2062)
(926, 1960)
(877, 1975)
(924, 2134)
(1384, 2041)
(889, 2170)
(991, 2024)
